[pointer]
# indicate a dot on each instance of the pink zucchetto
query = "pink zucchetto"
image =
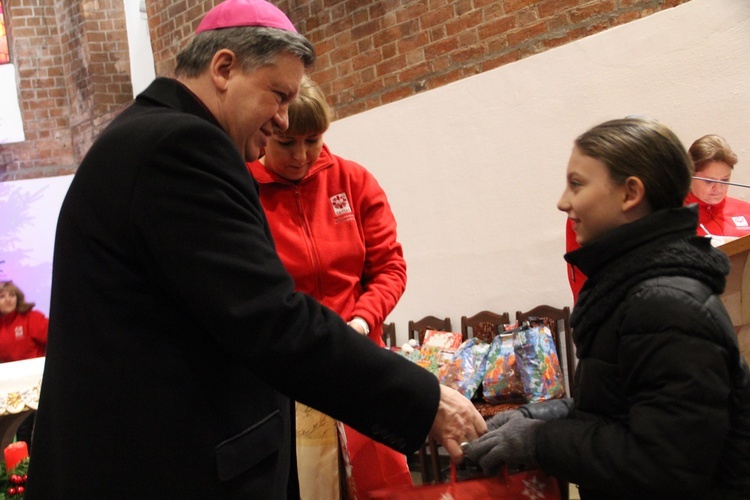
(238, 13)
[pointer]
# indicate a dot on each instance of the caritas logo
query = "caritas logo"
(340, 204)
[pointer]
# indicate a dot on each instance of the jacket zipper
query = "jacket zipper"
(310, 243)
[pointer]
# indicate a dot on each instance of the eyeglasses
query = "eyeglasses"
(710, 182)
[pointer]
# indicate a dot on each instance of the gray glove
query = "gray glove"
(503, 418)
(546, 410)
(510, 435)
(552, 409)
(512, 443)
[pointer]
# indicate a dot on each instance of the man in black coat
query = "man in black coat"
(176, 339)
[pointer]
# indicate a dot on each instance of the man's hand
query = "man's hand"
(456, 422)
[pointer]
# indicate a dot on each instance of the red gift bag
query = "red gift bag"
(370, 465)
(526, 485)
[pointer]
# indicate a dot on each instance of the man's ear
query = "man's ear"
(634, 194)
(222, 64)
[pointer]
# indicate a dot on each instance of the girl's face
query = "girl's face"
(291, 156)
(712, 192)
(8, 301)
(591, 199)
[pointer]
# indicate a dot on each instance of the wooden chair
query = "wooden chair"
(429, 450)
(418, 328)
(483, 325)
(389, 334)
(562, 335)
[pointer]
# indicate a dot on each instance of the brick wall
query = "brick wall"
(95, 47)
(374, 53)
(36, 52)
(73, 72)
(171, 23)
(370, 53)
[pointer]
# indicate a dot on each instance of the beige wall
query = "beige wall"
(474, 169)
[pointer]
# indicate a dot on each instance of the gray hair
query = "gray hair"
(254, 47)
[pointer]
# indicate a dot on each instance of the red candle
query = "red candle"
(14, 453)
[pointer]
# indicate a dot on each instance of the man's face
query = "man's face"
(257, 100)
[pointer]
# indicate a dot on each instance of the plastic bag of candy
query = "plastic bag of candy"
(437, 349)
(502, 380)
(538, 364)
(465, 371)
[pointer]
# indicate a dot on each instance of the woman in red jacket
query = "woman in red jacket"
(23, 335)
(23, 331)
(719, 214)
(336, 235)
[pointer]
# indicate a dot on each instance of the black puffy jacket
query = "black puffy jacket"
(662, 394)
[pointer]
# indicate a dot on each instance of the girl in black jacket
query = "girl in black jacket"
(662, 395)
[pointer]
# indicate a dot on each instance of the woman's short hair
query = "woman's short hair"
(643, 148)
(709, 148)
(21, 305)
(254, 46)
(309, 112)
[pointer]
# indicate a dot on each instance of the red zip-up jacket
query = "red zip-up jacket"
(336, 235)
(729, 217)
(22, 335)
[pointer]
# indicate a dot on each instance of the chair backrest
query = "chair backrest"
(417, 328)
(562, 335)
(483, 325)
(389, 334)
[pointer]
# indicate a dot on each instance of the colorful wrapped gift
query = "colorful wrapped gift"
(502, 380)
(538, 364)
(465, 370)
(437, 349)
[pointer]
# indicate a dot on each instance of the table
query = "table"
(20, 382)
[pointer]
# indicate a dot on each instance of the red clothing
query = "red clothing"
(729, 217)
(576, 278)
(22, 336)
(336, 235)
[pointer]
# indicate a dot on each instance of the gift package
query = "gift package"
(538, 364)
(518, 365)
(437, 349)
(464, 371)
(502, 381)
